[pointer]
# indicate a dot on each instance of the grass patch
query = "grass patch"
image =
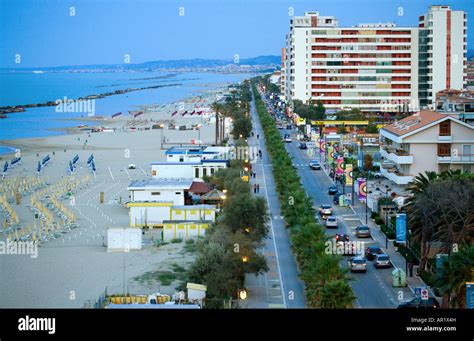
(189, 241)
(159, 243)
(191, 248)
(177, 268)
(176, 240)
(164, 277)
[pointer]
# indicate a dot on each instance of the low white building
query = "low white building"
(189, 170)
(173, 190)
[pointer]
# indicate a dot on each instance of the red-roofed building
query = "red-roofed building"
(426, 141)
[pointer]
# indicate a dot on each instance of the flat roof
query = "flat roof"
(187, 221)
(161, 183)
(193, 150)
(191, 207)
(152, 306)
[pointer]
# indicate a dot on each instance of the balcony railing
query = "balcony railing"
(393, 175)
(460, 158)
(398, 156)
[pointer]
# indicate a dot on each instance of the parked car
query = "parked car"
(378, 175)
(325, 211)
(314, 165)
(363, 231)
(358, 264)
(332, 190)
(418, 303)
(372, 251)
(303, 145)
(382, 261)
(331, 222)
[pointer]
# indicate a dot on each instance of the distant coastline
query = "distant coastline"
(21, 108)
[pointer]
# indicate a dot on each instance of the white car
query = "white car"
(331, 222)
(358, 264)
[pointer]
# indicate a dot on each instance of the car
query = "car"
(382, 261)
(303, 145)
(372, 251)
(341, 238)
(332, 190)
(132, 166)
(358, 264)
(331, 222)
(325, 211)
(418, 303)
(363, 231)
(314, 165)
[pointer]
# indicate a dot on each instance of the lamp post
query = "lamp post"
(386, 214)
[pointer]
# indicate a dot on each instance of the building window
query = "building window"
(445, 128)
(196, 172)
(178, 193)
(204, 171)
(444, 149)
(155, 193)
(212, 171)
(181, 159)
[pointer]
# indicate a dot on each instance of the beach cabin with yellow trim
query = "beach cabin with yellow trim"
(184, 229)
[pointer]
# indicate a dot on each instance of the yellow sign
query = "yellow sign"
(336, 123)
(348, 171)
(245, 178)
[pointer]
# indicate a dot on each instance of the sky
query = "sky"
(40, 33)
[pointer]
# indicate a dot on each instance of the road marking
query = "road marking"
(110, 171)
(272, 229)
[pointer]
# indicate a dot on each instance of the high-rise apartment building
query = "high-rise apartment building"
(442, 51)
(373, 67)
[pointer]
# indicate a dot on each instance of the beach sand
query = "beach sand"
(76, 267)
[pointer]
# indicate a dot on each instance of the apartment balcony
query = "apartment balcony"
(397, 156)
(457, 159)
(393, 175)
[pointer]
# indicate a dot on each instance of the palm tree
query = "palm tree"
(451, 279)
(336, 294)
(217, 107)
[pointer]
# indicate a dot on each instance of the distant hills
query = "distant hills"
(266, 62)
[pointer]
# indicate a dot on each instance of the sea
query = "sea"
(27, 87)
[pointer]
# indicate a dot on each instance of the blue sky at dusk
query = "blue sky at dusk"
(103, 31)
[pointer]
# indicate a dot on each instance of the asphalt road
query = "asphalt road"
(373, 288)
(277, 246)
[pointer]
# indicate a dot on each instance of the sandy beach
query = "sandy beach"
(76, 267)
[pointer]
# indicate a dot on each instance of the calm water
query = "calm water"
(26, 88)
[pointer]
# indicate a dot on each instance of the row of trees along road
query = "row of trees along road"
(326, 283)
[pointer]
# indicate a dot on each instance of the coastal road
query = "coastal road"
(373, 289)
(283, 271)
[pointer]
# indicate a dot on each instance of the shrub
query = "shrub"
(176, 240)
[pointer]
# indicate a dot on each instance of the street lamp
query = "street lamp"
(242, 294)
(386, 214)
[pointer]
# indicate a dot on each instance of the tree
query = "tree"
(451, 279)
(336, 294)
(436, 214)
(368, 162)
(371, 129)
(242, 126)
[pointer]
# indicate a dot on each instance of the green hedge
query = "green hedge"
(325, 282)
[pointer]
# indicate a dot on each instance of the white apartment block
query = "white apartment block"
(443, 52)
(373, 67)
